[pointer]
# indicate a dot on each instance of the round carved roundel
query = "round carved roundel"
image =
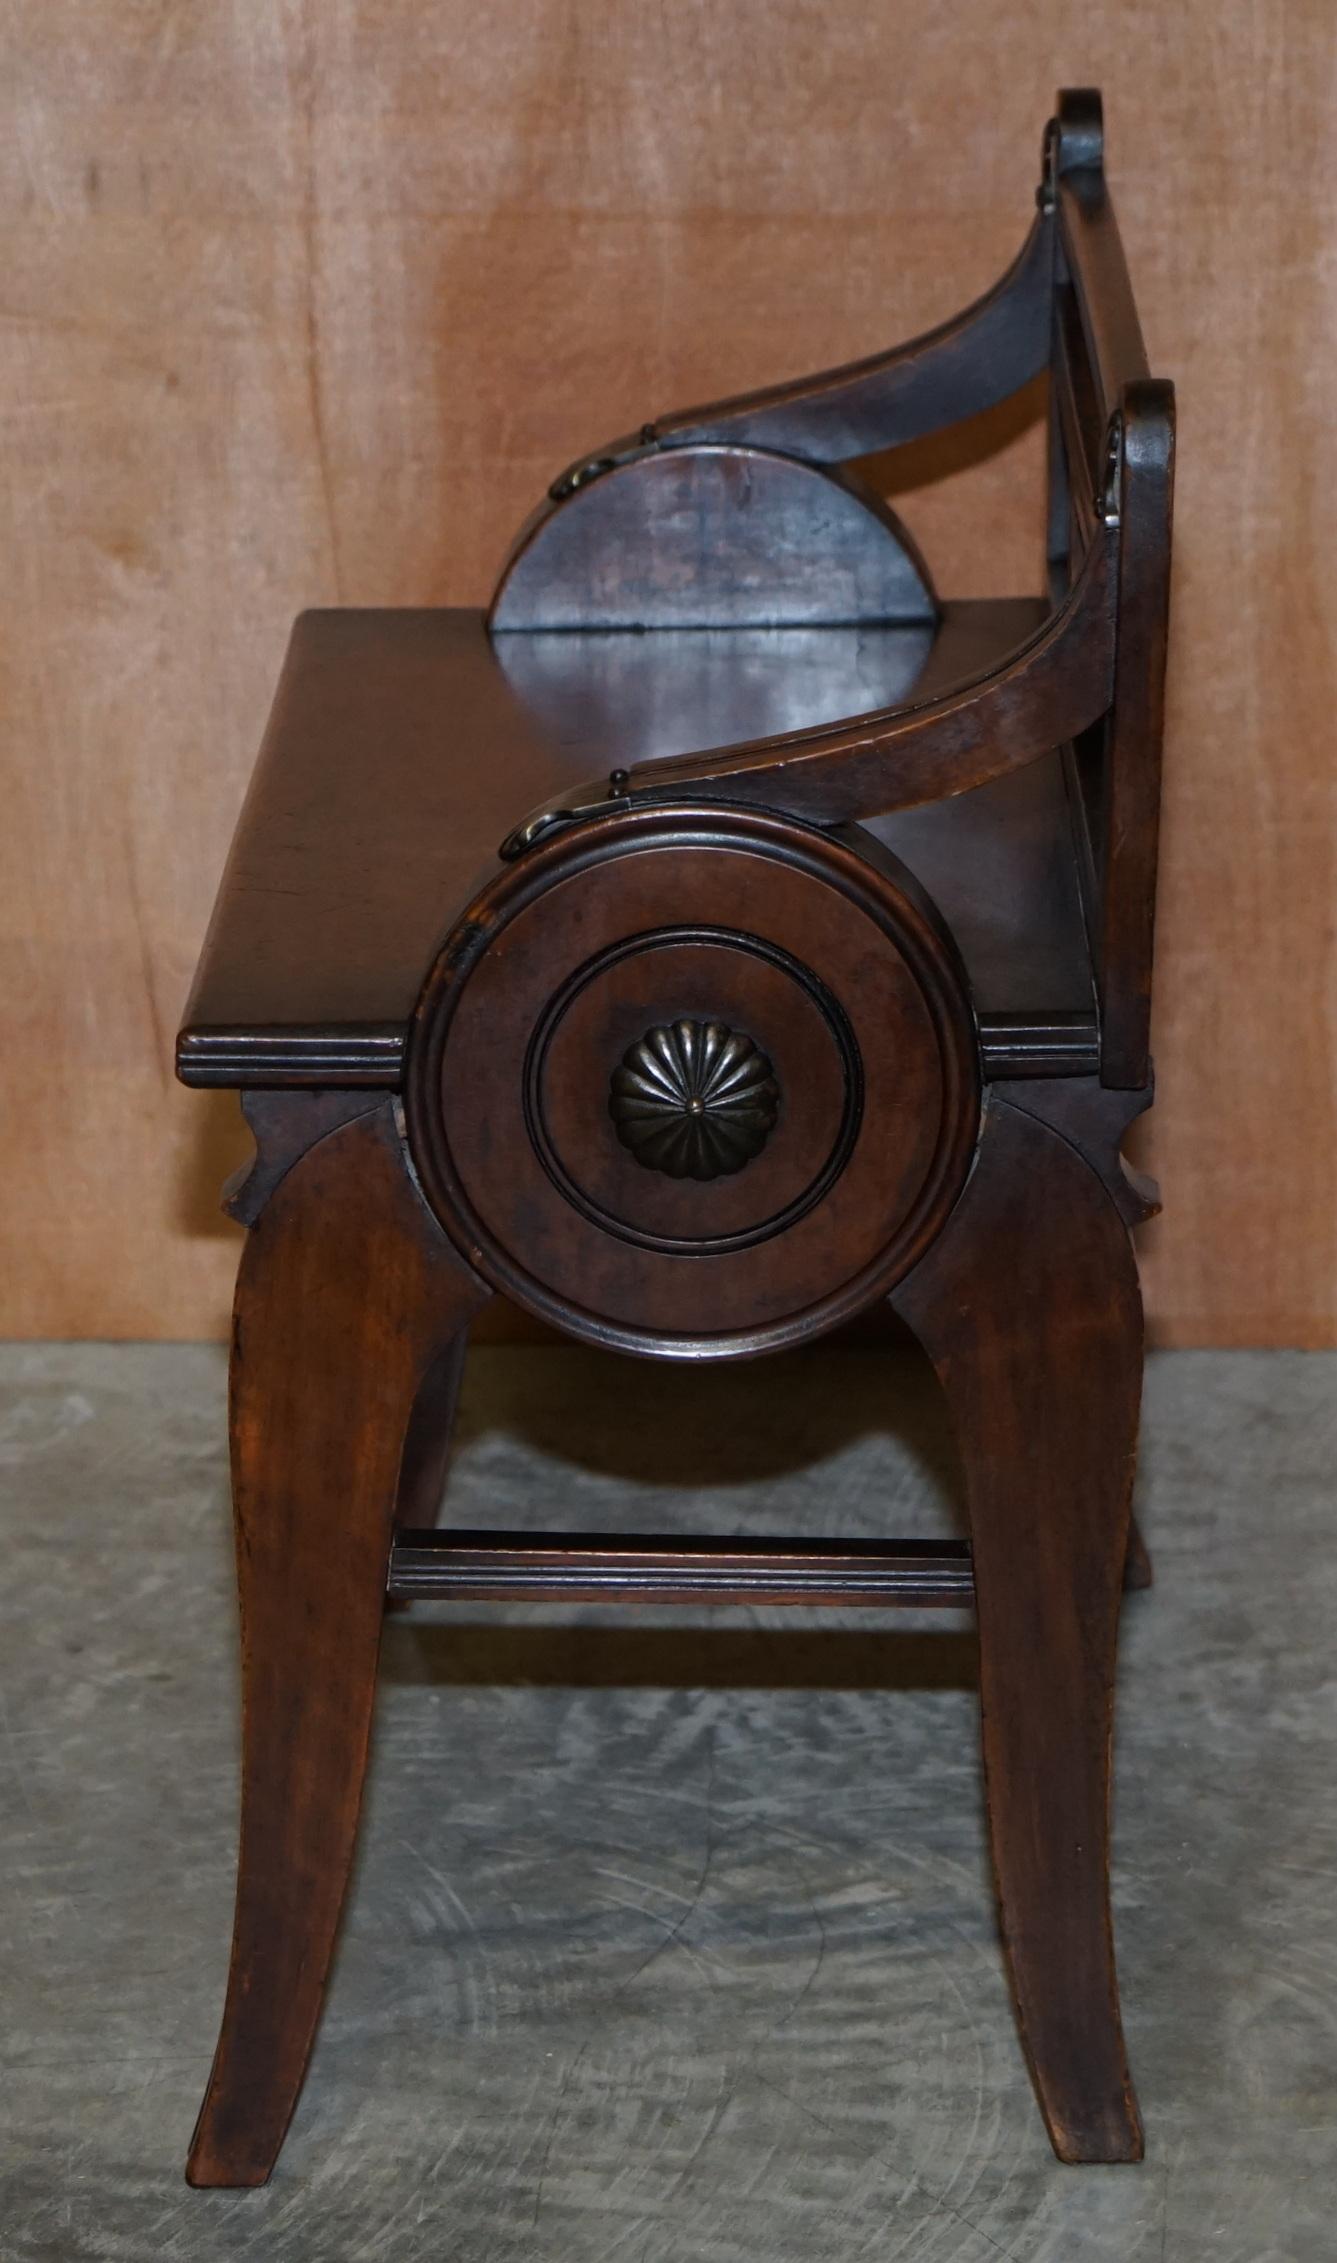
(694, 1081)
(694, 1099)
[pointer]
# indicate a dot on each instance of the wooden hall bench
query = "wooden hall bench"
(720, 936)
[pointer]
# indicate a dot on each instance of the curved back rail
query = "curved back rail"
(1051, 688)
(954, 371)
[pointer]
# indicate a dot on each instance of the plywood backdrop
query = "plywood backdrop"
(306, 304)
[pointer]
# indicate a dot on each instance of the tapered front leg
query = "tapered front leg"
(348, 1292)
(1028, 1306)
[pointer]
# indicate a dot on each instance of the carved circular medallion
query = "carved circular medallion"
(695, 1081)
(694, 1099)
(594, 1023)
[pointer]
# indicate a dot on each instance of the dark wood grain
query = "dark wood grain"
(371, 820)
(347, 1291)
(1028, 1306)
(284, 1125)
(490, 1566)
(368, 817)
(1094, 1118)
(1000, 865)
(1133, 789)
(1095, 261)
(1111, 461)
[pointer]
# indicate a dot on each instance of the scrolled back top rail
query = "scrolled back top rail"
(960, 368)
(968, 364)
(1075, 135)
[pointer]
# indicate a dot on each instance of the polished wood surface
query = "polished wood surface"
(556, 1567)
(370, 818)
(1126, 900)
(449, 1564)
(1029, 1308)
(348, 1295)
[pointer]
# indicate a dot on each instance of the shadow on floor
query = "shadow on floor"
(417, 1652)
(685, 1428)
(690, 1445)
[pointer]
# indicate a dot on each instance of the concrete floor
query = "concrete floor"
(669, 1940)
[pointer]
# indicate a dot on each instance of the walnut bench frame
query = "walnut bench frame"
(721, 936)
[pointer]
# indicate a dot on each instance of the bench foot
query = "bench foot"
(347, 1296)
(1028, 1306)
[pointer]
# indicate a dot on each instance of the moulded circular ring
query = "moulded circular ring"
(770, 1216)
(830, 962)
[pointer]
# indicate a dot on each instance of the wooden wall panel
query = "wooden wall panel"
(305, 304)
